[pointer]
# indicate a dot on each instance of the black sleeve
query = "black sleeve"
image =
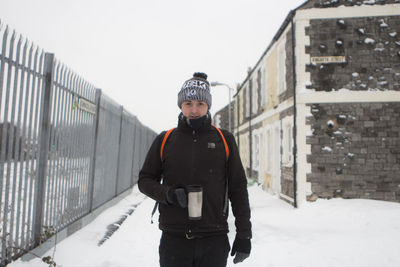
(151, 172)
(237, 190)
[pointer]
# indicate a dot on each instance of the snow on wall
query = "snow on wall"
(347, 3)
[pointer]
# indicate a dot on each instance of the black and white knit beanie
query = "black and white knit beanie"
(196, 88)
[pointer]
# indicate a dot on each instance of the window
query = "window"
(281, 66)
(254, 97)
(244, 150)
(241, 106)
(256, 151)
(259, 90)
(268, 152)
(263, 89)
(287, 144)
(289, 137)
(252, 93)
(235, 112)
(246, 104)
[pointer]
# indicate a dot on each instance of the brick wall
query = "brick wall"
(355, 150)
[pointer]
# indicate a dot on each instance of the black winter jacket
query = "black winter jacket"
(199, 158)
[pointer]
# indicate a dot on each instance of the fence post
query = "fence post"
(92, 169)
(44, 131)
(121, 121)
(133, 150)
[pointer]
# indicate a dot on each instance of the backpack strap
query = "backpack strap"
(154, 211)
(226, 198)
(224, 140)
(164, 141)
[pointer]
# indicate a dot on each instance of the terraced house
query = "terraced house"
(318, 114)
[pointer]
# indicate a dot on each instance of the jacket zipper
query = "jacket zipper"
(193, 154)
(193, 170)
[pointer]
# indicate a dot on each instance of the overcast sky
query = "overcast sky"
(140, 52)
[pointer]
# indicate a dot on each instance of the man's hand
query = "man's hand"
(241, 247)
(177, 196)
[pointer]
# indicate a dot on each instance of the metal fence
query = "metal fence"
(65, 147)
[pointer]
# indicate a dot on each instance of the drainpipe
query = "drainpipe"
(294, 113)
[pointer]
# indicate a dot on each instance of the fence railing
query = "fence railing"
(65, 147)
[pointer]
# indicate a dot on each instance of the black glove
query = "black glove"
(177, 196)
(241, 247)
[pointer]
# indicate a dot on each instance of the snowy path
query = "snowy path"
(337, 232)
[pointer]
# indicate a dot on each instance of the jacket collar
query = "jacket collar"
(184, 125)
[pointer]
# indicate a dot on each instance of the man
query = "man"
(195, 154)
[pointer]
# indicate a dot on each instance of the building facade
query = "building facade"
(318, 114)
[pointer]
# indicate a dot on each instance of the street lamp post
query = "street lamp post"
(230, 100)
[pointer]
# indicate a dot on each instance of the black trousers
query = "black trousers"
(178, 251)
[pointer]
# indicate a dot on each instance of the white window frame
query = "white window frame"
(287, 149)
(268, 150)
(281, 65)
(256, 150)
(246, 106)
(254, 96)
(244, 150)
(240, 106)
(264, 93)
(235, 112)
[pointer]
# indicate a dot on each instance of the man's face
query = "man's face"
(194, 109)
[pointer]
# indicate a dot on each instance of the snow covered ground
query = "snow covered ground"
(336, 232)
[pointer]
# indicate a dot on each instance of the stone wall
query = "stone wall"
(371, 46)
(355, 150)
